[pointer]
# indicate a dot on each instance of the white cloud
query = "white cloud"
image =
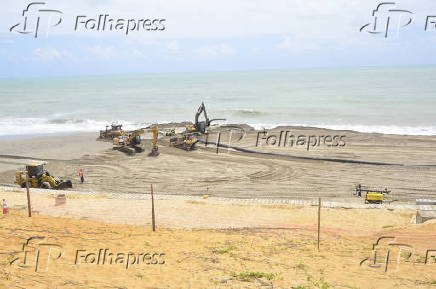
(217, 50)
(102, 52)
(173, 46)
(138, 54)
(48, 54)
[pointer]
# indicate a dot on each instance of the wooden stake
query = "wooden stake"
(29, 207)
(218, 142)
(153, 220)
(319, 220)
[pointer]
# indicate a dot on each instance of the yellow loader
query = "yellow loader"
(37, 177)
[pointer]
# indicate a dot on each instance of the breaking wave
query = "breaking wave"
(34, 126)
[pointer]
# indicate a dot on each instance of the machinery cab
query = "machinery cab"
(31, 173)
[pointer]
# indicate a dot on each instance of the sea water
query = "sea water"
(384, 100)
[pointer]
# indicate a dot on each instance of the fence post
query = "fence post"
(153, 220)
(218, 142)
(319, 221)
(29, 207)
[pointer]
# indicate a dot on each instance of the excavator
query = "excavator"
(129, 142)
(155, 149)
(201, 126)
(187, 139)
(37, 177)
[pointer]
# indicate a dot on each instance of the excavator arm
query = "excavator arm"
(201, 126)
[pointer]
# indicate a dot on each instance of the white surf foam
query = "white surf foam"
(384, 129)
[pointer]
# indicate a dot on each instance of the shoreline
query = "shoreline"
(254, 126)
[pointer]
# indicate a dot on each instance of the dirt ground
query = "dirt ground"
(269, 246)
(234, 174)
(99, 242)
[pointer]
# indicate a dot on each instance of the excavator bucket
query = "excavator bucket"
(154, 153)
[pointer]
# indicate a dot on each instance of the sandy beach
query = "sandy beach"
(235, 174)
(230, 246)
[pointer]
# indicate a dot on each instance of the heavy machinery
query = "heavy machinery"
(129, 142)
(201, 126)
(168, 132)
(371, 196)
(155, 149)
(185, 140)
(116, 130)
(37, 177)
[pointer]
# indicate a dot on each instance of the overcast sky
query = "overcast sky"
(206, 35)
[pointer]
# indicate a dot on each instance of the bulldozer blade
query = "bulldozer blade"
(127, 150)
(154, 153)
(138, 149)
(65, 185)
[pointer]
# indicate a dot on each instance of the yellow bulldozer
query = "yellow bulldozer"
(36, 176)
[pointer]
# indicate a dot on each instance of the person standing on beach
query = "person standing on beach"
(81, 177)
(5, 207)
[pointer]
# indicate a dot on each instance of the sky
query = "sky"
(206, 35)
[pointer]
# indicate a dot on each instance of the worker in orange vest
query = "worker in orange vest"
(81, 177)
(5, 207)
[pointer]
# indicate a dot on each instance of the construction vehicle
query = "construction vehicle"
(116, 130)
(168, 132)
(371, 196)
(155, 149)
(201, 126)
(37, 177)
(129, 142)
(185, 141)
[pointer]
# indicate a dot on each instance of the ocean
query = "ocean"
(383, 100)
